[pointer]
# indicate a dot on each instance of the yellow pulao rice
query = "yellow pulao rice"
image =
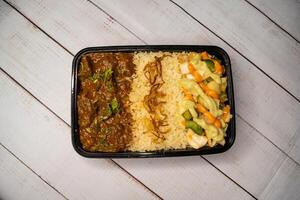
(143, 139)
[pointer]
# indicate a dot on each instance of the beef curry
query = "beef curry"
(103, 102)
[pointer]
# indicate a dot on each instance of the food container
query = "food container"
(213, 50)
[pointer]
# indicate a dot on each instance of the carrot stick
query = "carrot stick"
(213, 94)
(218, 67)
(226, 112)
(204, 55)
(200, 108)
(188, 95)
(209, 118)
(209, 91)
(218, 123)
(195, 74)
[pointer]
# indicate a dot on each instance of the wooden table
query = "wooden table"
(38, 39)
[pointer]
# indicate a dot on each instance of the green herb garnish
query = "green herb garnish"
(110, 86)
(114, 104)
(108, 113)
(95, 77)
(102, 141)
(107, 74)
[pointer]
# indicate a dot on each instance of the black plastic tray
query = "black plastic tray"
(213, 50)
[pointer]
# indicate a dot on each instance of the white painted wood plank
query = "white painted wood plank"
(253, 35)
(285, 184)
(91, 24)
(258, 156)
(259, 112)
(252, 162)
(17, 59)
(295, 150)
(196, 185)
(18, 182)
(210, 172)
(285, 13)
(265, 104)
(43, 142)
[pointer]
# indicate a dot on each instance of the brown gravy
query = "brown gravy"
(103, 103)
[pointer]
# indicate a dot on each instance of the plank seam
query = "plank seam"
(19, 84)
(68, 124)
(266, 187)
(122, 169)
(229, 178)
(49, 109)
(269, 18)
(33, 171)
(268, 139)
(136, 179)
(115, 162)
(36, 26)
(237, 114)
(114, 19)
(297, 99)
(145, 43)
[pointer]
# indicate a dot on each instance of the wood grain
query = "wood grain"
(256, 111)
(257, 156)
(182, 178)
(237, 163)
(294, 152)
(265, 104)
(285, 184)
(34, 62)
(260, 151)
(20, 182)
(91, 23)
(53, 158)
(42, 141)
(285, 13)
(36, 36)
(256, 37)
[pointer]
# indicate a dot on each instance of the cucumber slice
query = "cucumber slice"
(187, 115)
(194, 126)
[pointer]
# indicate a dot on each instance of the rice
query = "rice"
(143, 138)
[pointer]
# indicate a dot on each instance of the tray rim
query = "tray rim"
(160, 153)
